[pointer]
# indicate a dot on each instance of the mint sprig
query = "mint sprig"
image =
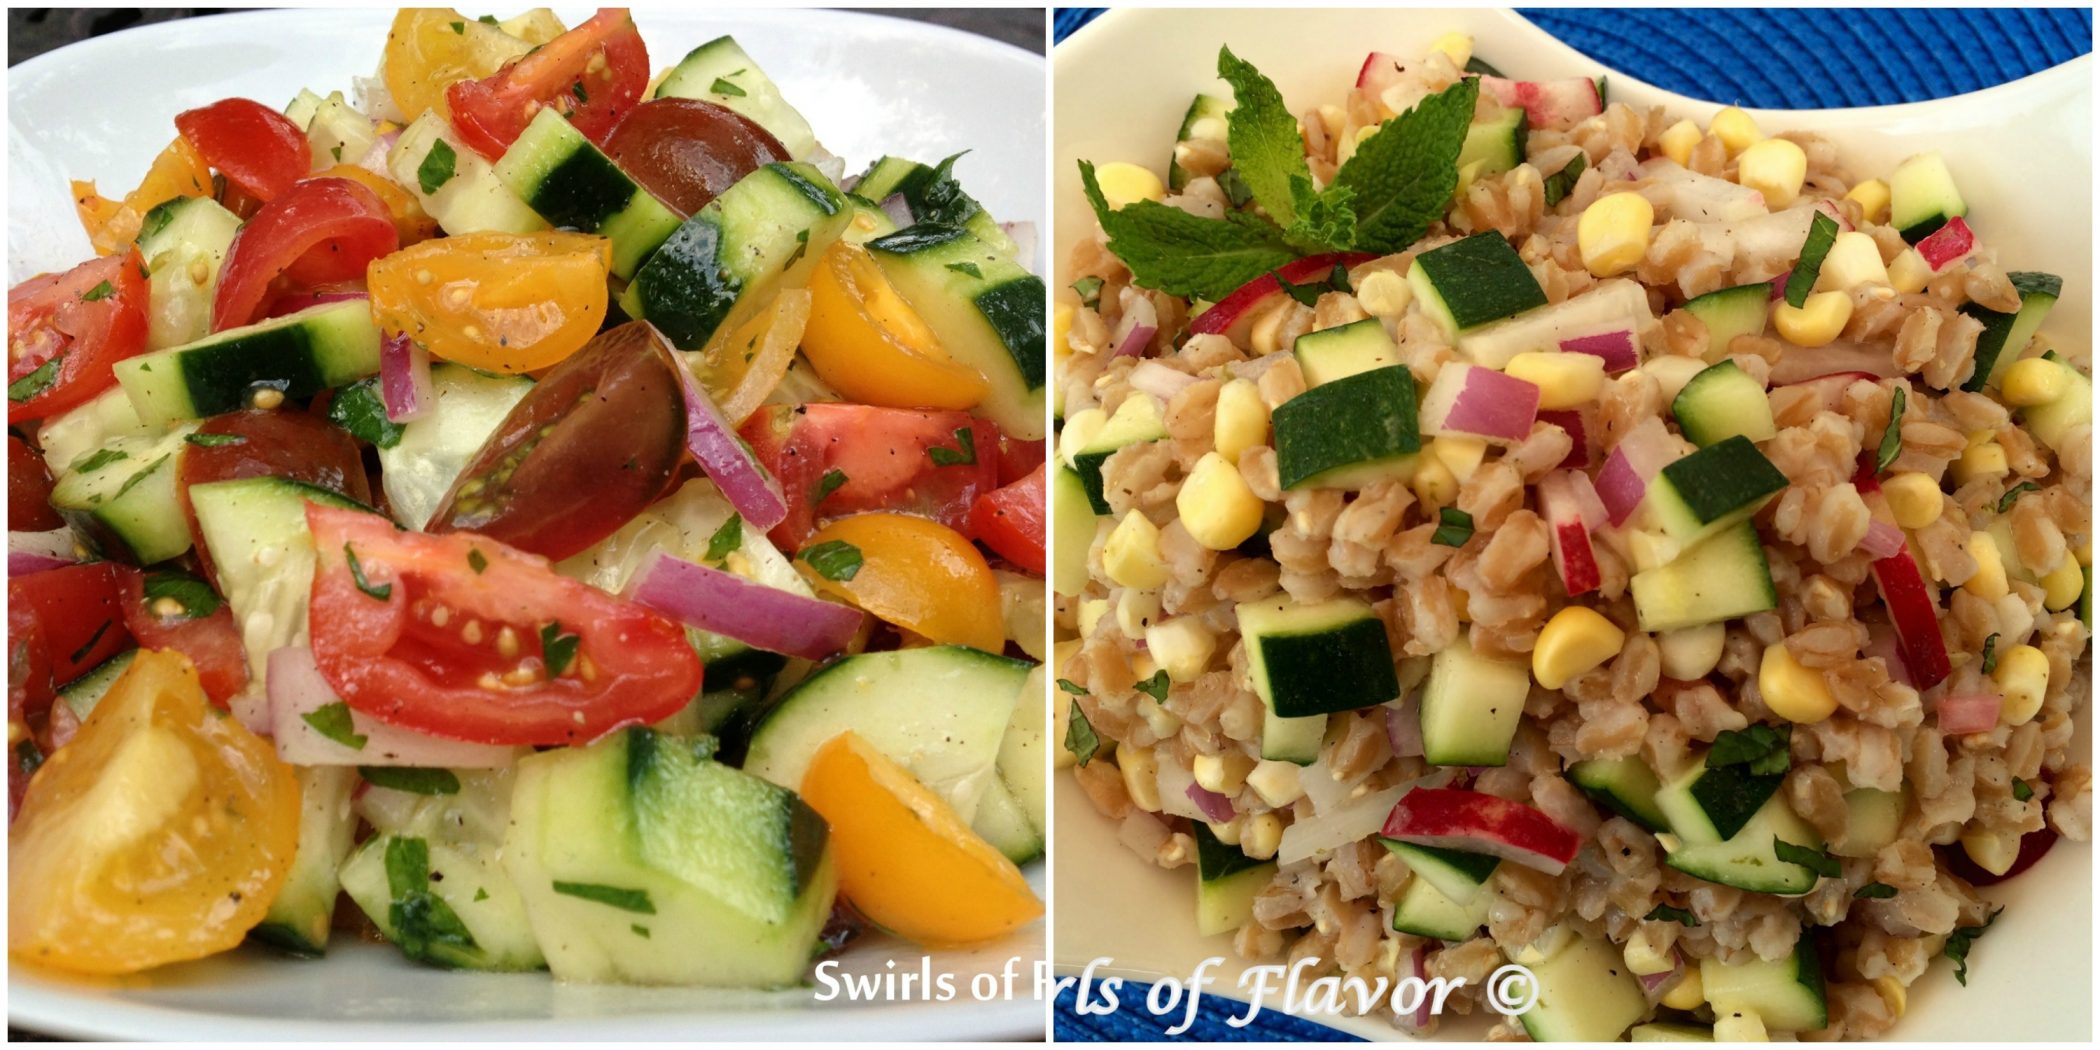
(1264, 139)
(1172, 251)
(1403, 175)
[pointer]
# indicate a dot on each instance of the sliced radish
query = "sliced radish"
(1634, 462)
(1616, 348)
(1571, 420)
(1948, 245)
(1233, 316)
(1882, 642)
(297, 689)
(1573, 555)
(1686, 194)
(1379, 71)
(1477, 822)
(1916, 618)
(1556, 104)
(1216, 807)
(727, 604)
(1479, 402)
(1968, 713)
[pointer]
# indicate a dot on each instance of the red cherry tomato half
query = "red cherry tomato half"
(67, 331)
(28, 490)
(1018, 459)
(1011, 520)
(319, 231)
(592, 74)
(839, 459)
(211, 641)
(685, 152)
(257, 148)
(463, 637)
(79, 615)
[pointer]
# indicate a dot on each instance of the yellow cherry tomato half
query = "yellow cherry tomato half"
(430, 48)
(867, 342)
(500, 302)
(740, 369)
(905, 859)
(160, 833)
(913, 572)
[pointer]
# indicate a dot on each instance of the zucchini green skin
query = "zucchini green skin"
(1336, 432)
(298, 355)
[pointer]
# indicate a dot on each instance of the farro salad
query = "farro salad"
(1498, 524)
(542, 500)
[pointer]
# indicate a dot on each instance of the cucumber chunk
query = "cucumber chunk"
(300, 917)
(1475, 281)
(1308, 661)
(1425, 911)
(1788, 994)
(255, 529)
(1205, 121)
(84, 692)
(1626, 786)
(1749, 860)
(573, 185)
(1922, 197)
(913, 181)
(1497, 144)
(1471, 705)
(1670, 1032)
(298, 355)
(1456, 874)
(181, 240)
(1710, 490)
(473, 200)
(1138, 419)
(1338, 353)
(1873, 820)
(1072, 508)
(1722, 402)
(122, 498)
(1720, 579)
(1586, 994)
(1349, 432)
(1730, 312)
(987, 312)
(1227, 882)
(2005, 335)
(1707, 805)
(418, 470)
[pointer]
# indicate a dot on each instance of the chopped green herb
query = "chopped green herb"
(215, 440)
(359, 409)
(2012, 495)
(827, 485)
(195, 596)
(477, 561)
(380, 592)
(1454, 528)
(138, 476)
(1155, 686)
(1813, 859)
(1761, 747)
(424, 926)
(558, 648)
(1874, 891)
(1080, 738)
(964, 455)
(437, 167)
(801, 246)
(481, 893)
(1071, 687)
(97, 293)
(460, 28)
(1666, 913)
(337, 151)
(1089, 289)
(1561, 183)
(1309, 293)
(723, 87)
(833, 559)
(29, 386)
(940, 199)
(1822, 233)
(2021, 790)
(1959, 942)
(727, 538)
(639, 930)
(333, 721)
(488, 20)
(1990, 653)
(582, 95)
(28, 757)
(81, 654)
(414, 781)
(1236, 192)
(1891, 436)
(969, 268)
(98, 459)
(612, 896)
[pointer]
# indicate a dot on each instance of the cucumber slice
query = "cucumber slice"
(572, 184)
(1749, 860)
(986, 310)
(1710, 490)
(300, 917)
(720, 72)
(298, 355)
(1496, 144)
(1338, 353)
(1787, 994)
(255, 529)
(1425, 911)
(1586, 994)
(84, 692)
(1138, 419)
(1705, 806)
(1719, 579)
(1873, 820)
(419, 469)
(912, 181)
(1922, 197)
(108, 416)
(1307, 661)
(1073, 511)
(1227, 882)
(1723, 402)
(1472, 282)
(1349, 432)
(1626, 786)
(1456, 874)
(1206, 120)
(1730, 312)
(181, 241)
(1001, 821)
(1616, 305)
(1471, 705)
(122, 498)
(2052, 423)
(2005, 336)
(472, 199)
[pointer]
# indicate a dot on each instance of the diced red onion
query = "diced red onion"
(1139, 324)
(296, 688)
(1968, 713)
(1570, 420)
(765, 617)
(1616, 348)
(1024, 236)
(374, 159)
(1403, 729)
(1216, 808)
(1948, 245)
(898, 209)
(1656, 985)
(728, 463)
(1883, 538)
(1135, 341)
(1160, 380)
(404, 378)
(1634, 462)
(1882, 642)
(1479, 402)
(254, 710)
(33, 552)
(1419, 960)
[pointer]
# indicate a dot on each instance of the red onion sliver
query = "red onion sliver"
(727, 604)
(1968, 713)
(1883, 538)
(1779, 286)
(1140, 322)
(1480, 402)
(1135, 342)
(296, 688)
(19, 564)
(1423, 1013)
(1403, 729)
(32, 552)
(1216, 808)
(1883, 642)
(1160, 380)
(744, 483)
(404, 378)
(1616, 348)
(1656, 985)
(898, 209)
(1635, 461)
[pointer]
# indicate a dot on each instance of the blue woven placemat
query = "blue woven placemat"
(1803, 59)
(1765, 59)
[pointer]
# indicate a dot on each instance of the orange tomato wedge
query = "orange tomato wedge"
(179, 171)
(430, 48)
(918, 574)
(741, 368)
(501, 302)
(905, 859)
(867, 342)
(410, 220)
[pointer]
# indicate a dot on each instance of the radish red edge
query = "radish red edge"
(1451, 818)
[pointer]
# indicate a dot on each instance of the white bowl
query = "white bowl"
(2022, 154)
(869, 85)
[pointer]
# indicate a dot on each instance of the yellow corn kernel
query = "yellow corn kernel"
(1687, 994)
(1268, 327)
(1466, 174)
(1462, 454)
(1678, 140)
(1140, 770)
(1692, 653)
(1992, 851)
(1613, 233)
(1983, 459)
(1816, 322)
(1739, 1025)
(1080, 429)
(1216, 505)
(1872, 196)
(1261, 836)
(1989, 581)
(1456, 46)
(1736, 130)
(1061, 325)
(1124, 183)
(1434, 483)
(2032, 382)
(1914, 498)
(1643, 957)
(1791, 691)
(1131, 555)
(1909, 272)
(1276, 783)
(1853, 260)
(1893, 994)
(1228, 832)
(1383, 293)
(2022, 675)
(1241, 420)
(1577, 639)
(1775, 168)
(2062, 586)
(1564, 380)
(1182, 645)
(1225, 774)
(1091, 613)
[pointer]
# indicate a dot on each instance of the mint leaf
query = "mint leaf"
(724, 88)
(192, 598)
(1337, 280)
(359, 409)
(1263, 136)
(1403, 176)
(1761, 747)
(964, 454)
(827, 485)
(1172, 251)
(98, 459)
(1822, 233)
(1325, 221)
(97, 293)
(2021, 790)
(2012, 495)
(1990, 653)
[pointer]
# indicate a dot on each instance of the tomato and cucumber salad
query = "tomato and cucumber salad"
(543, 432)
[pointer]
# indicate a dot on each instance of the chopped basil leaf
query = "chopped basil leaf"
(215, 440)
(723, 87)
(97, 293)
(413, 781)
(1813, 859)
(1665, 913)
(437, 167)
(1080, 739)
(1874, 891)
(1561, 183)
(1761, 747)
(949, 457)
(613, 896)
(639, 930)
(333, 722)
(2012, 495)
(801, 245)
(1155, 686)
(1071, 687)
(1089, 289)
(827, 485)
(833, 559)
(1455, 528)
(1891, 438)
(425, 927)
(81, 653)
(1337, 280)
(1822, 232)
(557, 648)
(98, 459)
(357, 574)
(1959, 942)
(29, 386)
(359, 409)
(1990, 653)
(477, 561)
(727, 538)
(2022, 790)
(582, 96)
(194, 595)
(460, 28)
(969, 268)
